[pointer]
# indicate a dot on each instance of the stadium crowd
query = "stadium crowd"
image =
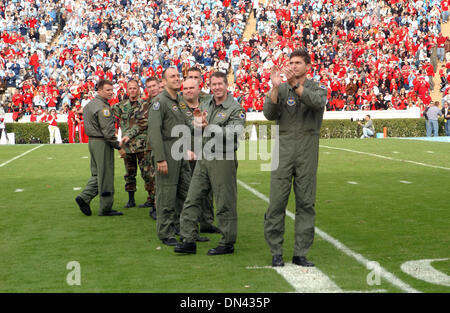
(119, 40)
(371, 55)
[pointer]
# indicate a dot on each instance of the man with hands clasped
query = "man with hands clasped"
(297, 107)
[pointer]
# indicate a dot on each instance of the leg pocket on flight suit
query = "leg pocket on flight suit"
(168, 199)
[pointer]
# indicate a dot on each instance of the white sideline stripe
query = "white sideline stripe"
(340, 246)
(304, 279)
(76, 188)
(423, 270)
(307, 280)
(352, 183)
(361, 259)
(405, 182)
(387, 158)
(18, 190)
(19, 156)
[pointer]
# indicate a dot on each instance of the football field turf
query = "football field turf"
(382, 218)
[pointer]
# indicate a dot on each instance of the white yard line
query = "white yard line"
(21, 155)
(304, 279)
(307, 279)
(387, 158)
(340, 246)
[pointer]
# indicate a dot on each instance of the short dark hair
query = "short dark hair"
(219, 74)
(151, 79)
(194, 69)
(101, 83)
(302, 54)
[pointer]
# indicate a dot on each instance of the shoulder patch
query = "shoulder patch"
(242, 115)
(156, 106)
(323, 86)
(106, 112)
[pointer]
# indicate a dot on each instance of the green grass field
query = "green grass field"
(375, 203)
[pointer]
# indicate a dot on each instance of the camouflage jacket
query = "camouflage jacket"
(134, 123)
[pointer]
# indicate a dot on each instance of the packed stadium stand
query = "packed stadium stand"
(371, 55)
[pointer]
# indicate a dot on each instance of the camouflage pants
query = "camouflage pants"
(143, 159)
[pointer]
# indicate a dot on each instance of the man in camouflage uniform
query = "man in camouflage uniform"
(132, 114)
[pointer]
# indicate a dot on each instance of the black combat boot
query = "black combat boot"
(131, 203)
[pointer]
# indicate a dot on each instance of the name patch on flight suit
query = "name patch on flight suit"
(290, 101)
(156, 106)
(106, 113)
(175, 107)
(221, 115)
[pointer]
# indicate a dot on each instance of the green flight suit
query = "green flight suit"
(299, 120)
(165, 114)
(217, 173)
(134, 124)
(206, 219)
(99, 126)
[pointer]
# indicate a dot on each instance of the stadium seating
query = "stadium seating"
(386, 49)
(371, 55)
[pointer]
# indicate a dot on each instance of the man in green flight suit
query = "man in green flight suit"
(297, 106)
(222, 119)
(172, 176)
(132, 114)
(193, 96)
(99, 126)
(152, 88)
(196, 74)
